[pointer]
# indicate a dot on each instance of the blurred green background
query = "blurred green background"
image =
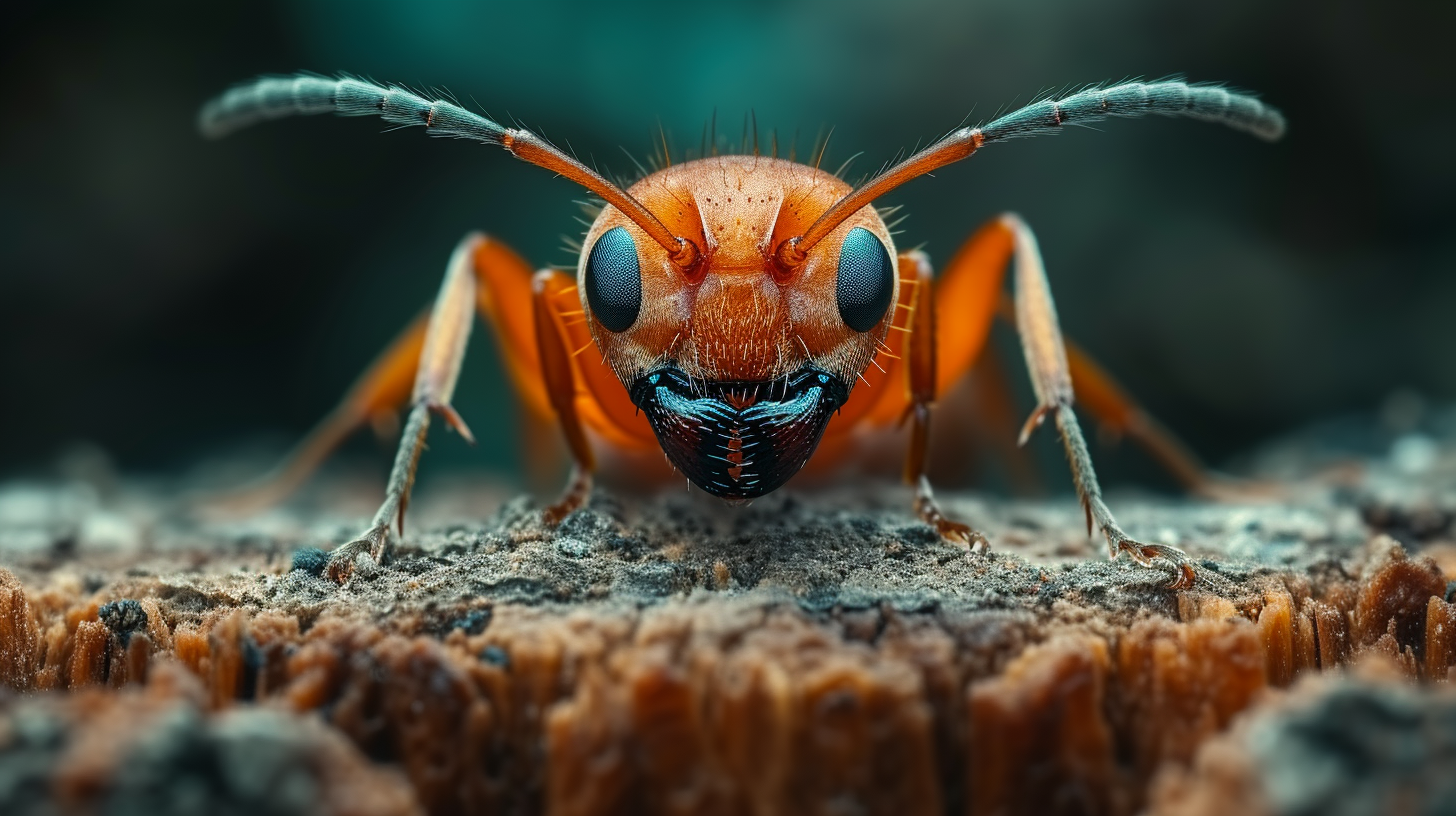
(167, 298)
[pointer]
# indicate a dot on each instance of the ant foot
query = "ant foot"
(974, 541)
(374, 541)
(1146, 554)
(573, 498)
(953, 531)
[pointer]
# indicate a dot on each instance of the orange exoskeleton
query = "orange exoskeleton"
(739, 304)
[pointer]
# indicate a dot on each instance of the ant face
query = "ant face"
(737, 362)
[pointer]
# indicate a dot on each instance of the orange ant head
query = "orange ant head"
(738, 360)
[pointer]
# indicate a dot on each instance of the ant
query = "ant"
(736, 302)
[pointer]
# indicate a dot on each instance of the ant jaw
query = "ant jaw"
(738, 440)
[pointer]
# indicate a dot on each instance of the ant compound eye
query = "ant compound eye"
(866, 280)
(614, 280)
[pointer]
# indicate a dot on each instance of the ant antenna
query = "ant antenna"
(268, 98)
(1210, 103)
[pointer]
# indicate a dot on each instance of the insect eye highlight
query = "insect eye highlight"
(614, 280)
(866, 280)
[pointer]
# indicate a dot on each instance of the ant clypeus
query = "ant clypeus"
(736, 302)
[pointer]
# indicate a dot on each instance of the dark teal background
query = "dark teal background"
(168, 298)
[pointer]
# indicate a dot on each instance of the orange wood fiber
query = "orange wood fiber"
(676, 710)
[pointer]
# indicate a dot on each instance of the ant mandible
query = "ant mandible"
(736, 302)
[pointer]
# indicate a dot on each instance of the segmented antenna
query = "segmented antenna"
(271, 98)
(1210, 103)
(276, 97)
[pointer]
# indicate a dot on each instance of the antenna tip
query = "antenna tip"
(210, 122)
(1274, 127)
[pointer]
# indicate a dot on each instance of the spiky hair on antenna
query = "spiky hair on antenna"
(1206, 102)
(268, 98)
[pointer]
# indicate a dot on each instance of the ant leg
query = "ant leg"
(561, 389)
(420, 368)
(1051, 379)
(968, 296)
(920, 359)
(437, 368)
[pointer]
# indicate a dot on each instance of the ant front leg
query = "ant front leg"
(970, 291)
(561, 388)
(921, 361)
(484, 275)
(420, 369)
